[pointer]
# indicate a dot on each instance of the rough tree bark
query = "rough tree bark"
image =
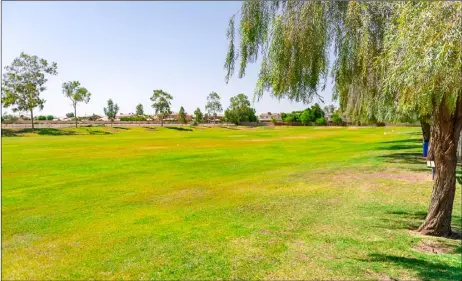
(32, 118)
(445, 136)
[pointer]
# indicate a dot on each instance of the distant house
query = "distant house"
(346, 119)
(175, 116)
(211, 119)
(86, 117)
(328, 116)
(268, 117)
(117, 118)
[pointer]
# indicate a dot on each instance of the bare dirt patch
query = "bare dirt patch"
(389, 174)
(432, 247)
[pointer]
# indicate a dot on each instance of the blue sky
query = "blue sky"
(125, 50)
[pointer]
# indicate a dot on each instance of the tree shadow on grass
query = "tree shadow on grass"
(98, 132)
(412, 221)
(402, 220)
(150, 128)
(121, 128)
(179, 129)
(424, 269)
(415, 160)
(41, 131)
(413, 141)
(230, 128)
(400, 147)
(15, 133)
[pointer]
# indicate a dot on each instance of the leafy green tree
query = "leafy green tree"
(111, 110)
(213, 105)
(321, 121)
(317, 112)
(50, 117)
(41, 118)
(70, 115)
(76, 94)
(337, 119)
(305, 117)
(182, 115)
(391, 58)
(139, 109)
(161, 104)
(239, 110)
(23, 81)
(198, 117)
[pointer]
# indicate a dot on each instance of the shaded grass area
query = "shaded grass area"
(252, 203)
(178, 129)
(424, 269)
(41, 131)
(55, 132)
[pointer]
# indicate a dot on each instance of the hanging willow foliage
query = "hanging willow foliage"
(393, 60)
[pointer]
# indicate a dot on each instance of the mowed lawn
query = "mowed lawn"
(220, 203)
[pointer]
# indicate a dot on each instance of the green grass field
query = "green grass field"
(218, 203)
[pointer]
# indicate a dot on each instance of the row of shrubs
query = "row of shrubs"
(318, 122)
(42, 117)
(133, 118)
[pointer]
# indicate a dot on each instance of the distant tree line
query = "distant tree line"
(25, 79)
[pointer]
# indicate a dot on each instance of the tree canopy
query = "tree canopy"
(239, 110)
(213, 105)
(182, 115)
(161, 104)
(384, 53)
(111, 110)
(24, 80)
(76, 94)
(198, 116)
(139, 109)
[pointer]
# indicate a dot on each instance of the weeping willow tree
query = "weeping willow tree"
(392, 61)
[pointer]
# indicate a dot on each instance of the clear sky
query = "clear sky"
(125, 50)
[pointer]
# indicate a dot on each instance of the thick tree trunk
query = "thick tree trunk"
(445, 135)
(32, 118)
(75, 115)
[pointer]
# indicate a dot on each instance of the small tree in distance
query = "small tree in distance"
(213, 105)
(139, 109)
(111, 110)
(239, 110)
(76, 94)
(23, 81)
(182, 115)
(70, 115)
(198, 116)
(161, 104)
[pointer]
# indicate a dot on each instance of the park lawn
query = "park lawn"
(220, 203)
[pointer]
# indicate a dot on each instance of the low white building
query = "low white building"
(268, 117)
